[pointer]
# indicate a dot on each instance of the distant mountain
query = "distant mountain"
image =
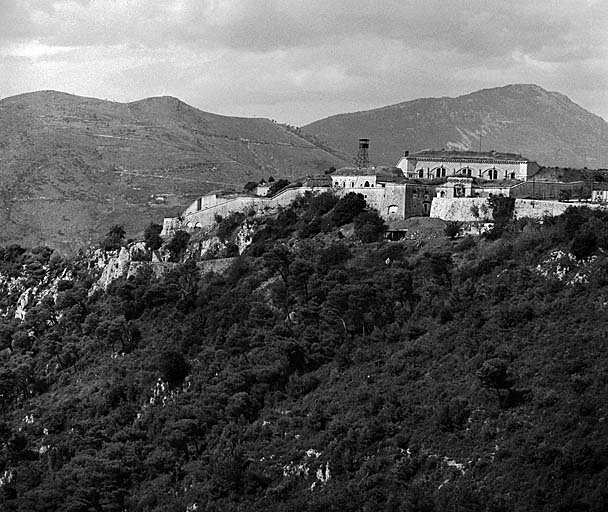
(541, 125)
(70, 167)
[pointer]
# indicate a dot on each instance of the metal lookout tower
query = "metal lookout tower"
(362, 159)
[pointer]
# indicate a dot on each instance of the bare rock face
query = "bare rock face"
(115, 268)
(522, 118)
(34, 294)
(244, 235)
(139, 252)
(24, 302)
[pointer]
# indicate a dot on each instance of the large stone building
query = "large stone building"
(432, 164)
(386, 190)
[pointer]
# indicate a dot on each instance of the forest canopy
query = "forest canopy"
(321, 371)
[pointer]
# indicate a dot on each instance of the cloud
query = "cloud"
(296, 60)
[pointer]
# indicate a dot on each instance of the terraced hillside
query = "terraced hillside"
(522, 118)
(70, 167)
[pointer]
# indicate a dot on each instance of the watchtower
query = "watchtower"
(362, 159)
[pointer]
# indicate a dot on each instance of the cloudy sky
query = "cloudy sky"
(300, 60)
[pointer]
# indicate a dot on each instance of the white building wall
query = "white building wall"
(354, 181)
(413, 168)
(599, 196)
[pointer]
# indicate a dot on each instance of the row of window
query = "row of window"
(442, 172)
(352, 184)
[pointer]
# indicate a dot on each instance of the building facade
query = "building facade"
(431, 164)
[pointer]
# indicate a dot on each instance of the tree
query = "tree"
(503, 210)
(178, 244)
(583, 245)
(369, 227)
(277, 186)
(115, 238)
(494, 374)
(348, 208)
(250, 186)
(452, 229)
(152, 236)
(173, 367)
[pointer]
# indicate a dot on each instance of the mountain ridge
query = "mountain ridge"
(71, 166)
(519, 118)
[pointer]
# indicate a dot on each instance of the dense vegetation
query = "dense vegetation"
(321, 372)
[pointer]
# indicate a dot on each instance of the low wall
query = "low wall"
(459, 209)
(206, 216)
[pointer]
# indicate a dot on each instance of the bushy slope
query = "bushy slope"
(70, 167)
(320, 373)
(541, 125)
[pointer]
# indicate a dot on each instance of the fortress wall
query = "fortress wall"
(381, 198)
(549, 189)
(459, 209)
(225, 206)
(539, 209)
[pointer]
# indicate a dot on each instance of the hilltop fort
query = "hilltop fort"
(445, 184)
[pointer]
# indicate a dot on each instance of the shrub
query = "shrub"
(228, 224)
(277, 186)
(583, 245)
(452, 229)
(347, 208)
(173, 367)
(115, 238)
(152, 236)
(369, 227)
(178, 244)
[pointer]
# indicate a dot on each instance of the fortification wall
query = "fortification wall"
(549, 189)
(193, 218)
(388, 200)
(459, 209)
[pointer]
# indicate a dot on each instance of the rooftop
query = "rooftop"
(469, 155)
(379, 172)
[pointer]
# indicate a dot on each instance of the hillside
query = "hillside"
(319, 373)
(541, 125)
(70, 167)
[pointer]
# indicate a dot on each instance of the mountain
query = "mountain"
(70, 166)
(541, 125)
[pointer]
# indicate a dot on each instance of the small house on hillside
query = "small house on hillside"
(262, 189)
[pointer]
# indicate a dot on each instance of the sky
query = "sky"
(298, 61)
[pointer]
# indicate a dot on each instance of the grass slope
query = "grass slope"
(71, 166)
(541, 125)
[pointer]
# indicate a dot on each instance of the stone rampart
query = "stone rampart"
(224, 207)
(459, 209)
